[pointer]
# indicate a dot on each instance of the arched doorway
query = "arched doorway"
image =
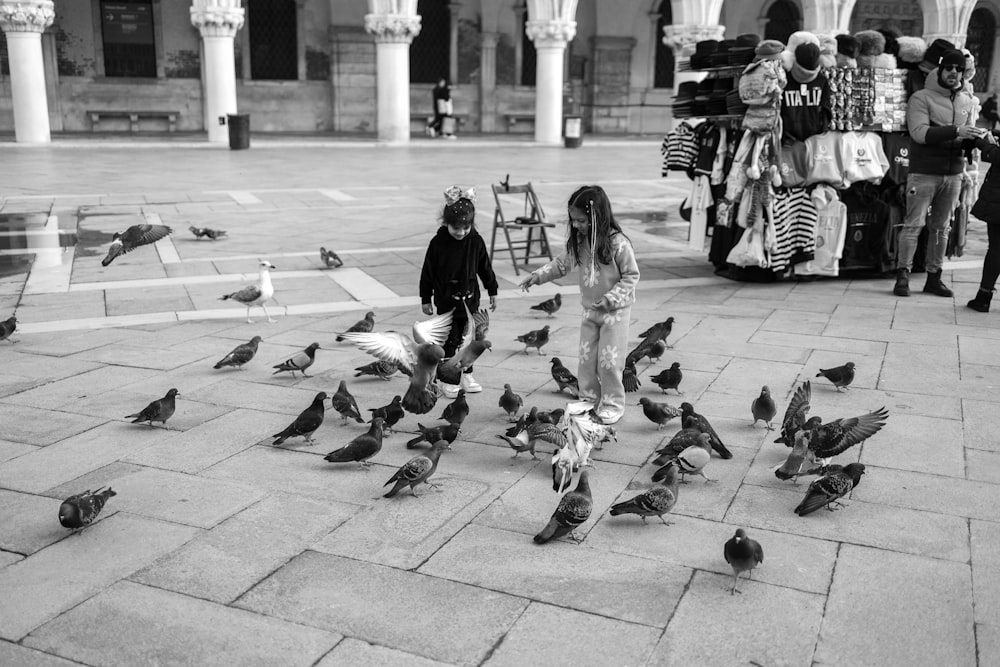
(901, 17)
(431, 49)
(783, 18)
(980, 37)
(663, 75)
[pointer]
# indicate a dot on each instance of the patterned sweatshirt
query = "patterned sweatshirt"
(615, 281)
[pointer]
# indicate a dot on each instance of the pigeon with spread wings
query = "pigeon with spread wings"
(132, 238)
(450, 370)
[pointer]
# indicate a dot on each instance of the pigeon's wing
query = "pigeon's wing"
(241, 354)
(795, 413)
(482, 323)
(138, 235)
(387, 346)
(296, 361)
(824, 491)
(640, 351)
(413, 470)
(838, 436)
(574, 509)
(247, 294)
(434, 330)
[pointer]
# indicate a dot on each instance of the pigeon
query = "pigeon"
(529, 435)
(456, 411)
(306, 423)
(159, 410)
(299, 361)
(481, 320)
(795, 414)
(549, 306)
(361, 326)
(701, 423)
(535, 339)
(659, 331)
(550, 416)
(330, 258)
(743, 555)
(390, 414)
(564, 378)
(380, 369)
(80, 510)
(655, 501)
(630, 378)
(818, 441)
(240, 355)
(510, 402)
(255, 295)
(841, 376)
(132, 238)
(670, 378)
(213, 234)
(684, 439)
(763, 407)
(417, 470)
(450, 370)
(691, 461)
(7, 328)
(419, 354)
(505, 183)
(656, 350)
(448, 432)
(573, 510)
(831, 488)
(344, 403)
(361, 448)
(658, 413)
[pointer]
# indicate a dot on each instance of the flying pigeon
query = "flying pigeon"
(658, 413)
(306, 423)
(159, 410)
(564, 378)
(831, 488)
(550, 416)
(702, 424)
(647, 347)
(344, 403)
(7, 328)
(818, 441)
(213, 234)
(763, 407)
(330, 258)
(456, 411)
(657, 500)
(510, 402)
(682, 440)
(670, 378)
(448, 432)
(255, 295)
(743, 555)
(691, 461)
(795, 414)
(630, 378)
(527, 437)
(80, 510)
(132, 238)
(240, 355)
(549, 306)
(482, 323)
(379, 369)
(535, 339)
(299, 361)
(362, 448)
(361, 326)
(469, 350)
(841, 376)
(390, 414)
(659, 331)
(573, 510)
(417, 470)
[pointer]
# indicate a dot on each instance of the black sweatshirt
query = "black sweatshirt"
(451, 267)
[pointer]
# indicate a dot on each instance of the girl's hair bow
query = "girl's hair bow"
(454, 193)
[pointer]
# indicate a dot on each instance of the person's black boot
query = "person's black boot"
(982, 301)
(935, 286)
(902, 287)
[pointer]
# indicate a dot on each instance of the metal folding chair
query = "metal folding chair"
(531, 222)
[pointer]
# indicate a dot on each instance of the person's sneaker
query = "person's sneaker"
(451, 136)
(609, 417)
(449, 390)
(470, 385)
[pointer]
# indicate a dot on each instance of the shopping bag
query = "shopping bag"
(448, 125)
(444, 107)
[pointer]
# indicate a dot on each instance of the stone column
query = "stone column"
(488, 80)
(23, 22)
(550, 26)
(218, 21)
(453, 13)
(394, 23)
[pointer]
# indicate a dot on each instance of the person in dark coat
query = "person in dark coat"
(987, 209)
(441, 95)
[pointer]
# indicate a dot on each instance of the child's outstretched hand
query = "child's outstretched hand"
(532, 279)
(601, 305)
(427, 308)
(493, 302)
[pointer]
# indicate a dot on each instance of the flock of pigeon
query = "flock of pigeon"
(569, 434)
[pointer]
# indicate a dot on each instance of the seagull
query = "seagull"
(213, 234)
(255, 295)
(132, 238)
(330, 258)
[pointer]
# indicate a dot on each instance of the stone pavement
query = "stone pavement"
(221, 549)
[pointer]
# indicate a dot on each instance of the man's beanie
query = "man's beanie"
(807, 56)
(953, 57)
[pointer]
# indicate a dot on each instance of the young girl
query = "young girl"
(455, 257)
(608, 276)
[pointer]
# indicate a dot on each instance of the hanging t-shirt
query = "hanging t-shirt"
(795, 228)
(865, 244)
(862, 157)
(793, 165)
(805, 108)
(707, 135)
(824, 159)
(831, 229)
(679, 149)
(897, 151)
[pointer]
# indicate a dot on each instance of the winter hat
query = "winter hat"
(953, 57)
(827, 51)
(910, 51)
(806, 65)
(934, 52)
(847, 51)
(796, 38)
(891, 42)
(769, 49)
(871, 44)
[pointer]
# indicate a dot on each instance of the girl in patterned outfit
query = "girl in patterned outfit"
(608, 276)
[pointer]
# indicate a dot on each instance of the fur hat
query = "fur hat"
(847, 51)
(891, 42)
(910, 51)
(827, 51)
(796, 38)
(871, 52)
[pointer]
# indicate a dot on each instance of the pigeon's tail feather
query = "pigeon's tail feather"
(811, 503)
(548, 532)
(339, 456)
(661, 474)
(418, 400)
(396, 489)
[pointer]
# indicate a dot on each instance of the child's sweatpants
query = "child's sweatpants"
(603, 348)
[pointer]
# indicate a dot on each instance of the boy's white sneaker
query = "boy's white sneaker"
(470, 385)
(449, 390)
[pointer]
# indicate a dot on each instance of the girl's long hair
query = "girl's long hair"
(593, 200)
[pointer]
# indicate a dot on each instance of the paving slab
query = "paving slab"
(922, 444)
(401, 610)
(931, 493)
(982, 466)
(938, 361)
(22, 656)
(637, 590)
(745, 377)
(985, 585)
(28, 522)
(130, 624)
(129, 401)
(28, 425)
(931, 625)
(979, 424)
(351, 652)
(63, 575)
(253, 395)
(987, 643)
(850, 347)
(796, 321)
(11, 450)
(97, 381)
(40, 366)
(8, 558)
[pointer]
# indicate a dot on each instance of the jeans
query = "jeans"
(936, 192)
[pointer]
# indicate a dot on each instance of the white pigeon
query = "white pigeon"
(256, 295)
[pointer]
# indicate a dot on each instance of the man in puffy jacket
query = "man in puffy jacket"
(941, 120)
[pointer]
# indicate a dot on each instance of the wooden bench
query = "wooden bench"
(423, 117)
(513, 118)
(133, 117)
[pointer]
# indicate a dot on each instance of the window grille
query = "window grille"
(783, 19)
(127, 33)
(273, 40)
(663, 74)
(430, 52)
(979, 41)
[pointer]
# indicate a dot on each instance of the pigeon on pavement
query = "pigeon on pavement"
(656, 350)
(564, 378)
(7, 327)
(456, 411)
(670, 378)
(240, 355)
(390, 414)
(550, 416)
(417, 470)
(691, 461)
(344, 403)
(80, 510)
(300, 361)
(657, 500)
(535, 339)
(213, 234)
(330, 258)
(549, 306)
(573, 510)
(306, 423)
(255, 295)
(132, 238)
(831, 488)
(159, 410)
(630, 378)
(763, 407)
(360, 449)
(659, 331)
(684, 439)
(528, 436)
(361, 326)
(702, 424)
(841, 376)
(431, 434)
(469, 350)
(510, 402)
(743, 555)
(658, 413)
(818, 441)
(380, 369)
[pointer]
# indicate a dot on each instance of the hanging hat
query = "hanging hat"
(847, 45)
(720, 57)
(938, 48)
(911, 51)
(769, 48)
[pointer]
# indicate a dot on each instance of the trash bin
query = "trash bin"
(239, 130)
(572, 131)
